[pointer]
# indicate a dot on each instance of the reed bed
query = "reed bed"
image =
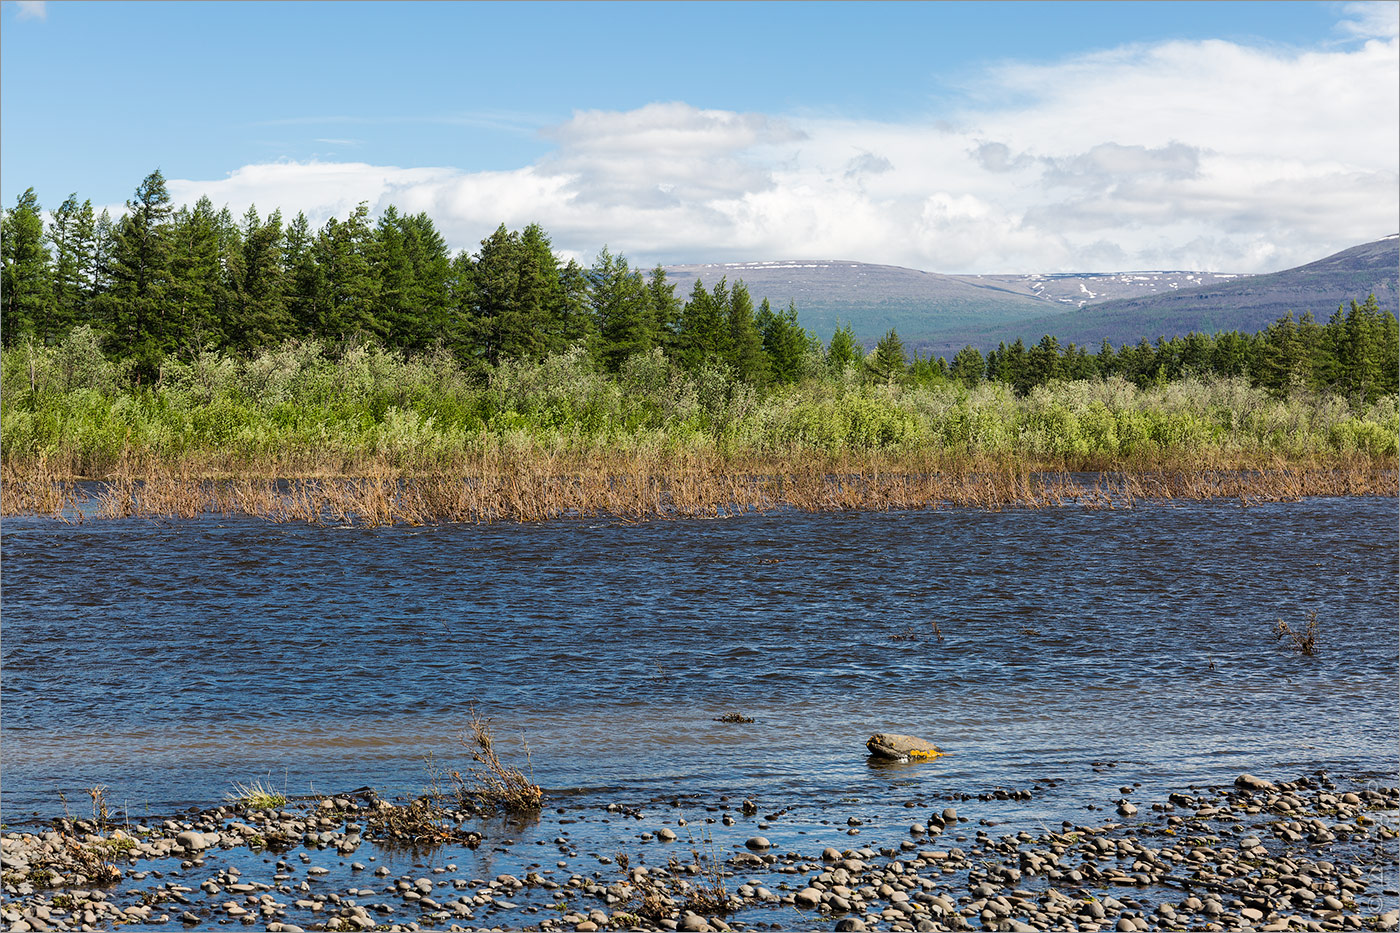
(640, 487)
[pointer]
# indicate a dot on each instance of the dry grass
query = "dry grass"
(1303, 641)
(697, 886)
(638, 486)
(491, 781)
(420, 823)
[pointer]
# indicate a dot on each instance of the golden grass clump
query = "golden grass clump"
(492, 782)
(533, 485)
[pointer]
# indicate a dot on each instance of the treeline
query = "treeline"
(160, 285)
(1355, 354)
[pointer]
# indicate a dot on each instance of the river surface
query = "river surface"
(167, 660)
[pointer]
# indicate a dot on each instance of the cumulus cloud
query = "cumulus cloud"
(32, 9)
(1187, 155)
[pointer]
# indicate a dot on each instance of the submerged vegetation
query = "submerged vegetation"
(1302, 640)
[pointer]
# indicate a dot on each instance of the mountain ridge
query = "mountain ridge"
(939, 313)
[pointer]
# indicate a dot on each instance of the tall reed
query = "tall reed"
(511, 486)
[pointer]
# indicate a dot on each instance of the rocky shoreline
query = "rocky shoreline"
(1314, 853)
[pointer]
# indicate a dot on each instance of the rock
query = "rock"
(666, 835)
(694, 923)
(1251, 783)
(194, 841)
(807, 898)
(758, 843)
(851, 925)
(1126, 809)
(901, 747)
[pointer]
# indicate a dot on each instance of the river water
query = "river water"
(168, 659)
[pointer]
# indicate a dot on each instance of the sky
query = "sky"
(949, 137)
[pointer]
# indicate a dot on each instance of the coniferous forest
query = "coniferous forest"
(260, 344)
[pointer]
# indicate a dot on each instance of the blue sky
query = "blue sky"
(951, 137)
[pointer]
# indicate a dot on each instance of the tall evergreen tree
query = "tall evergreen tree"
(578, 325)
(259, 290)
(1043, 362)
(704, 336)
(666, 307)
(968, 366)
(622, 308)
(141, 259)
(197, 276)
(843, 351)
(539, 298)
(746, 358)
(888, 362)
(342, 252)
(25, 282)
(305, 280)
(72, 232)
(426, 296)
(784, 340)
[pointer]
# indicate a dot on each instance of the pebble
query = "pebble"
(1210, 841)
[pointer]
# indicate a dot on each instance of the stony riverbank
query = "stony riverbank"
(1314, 853)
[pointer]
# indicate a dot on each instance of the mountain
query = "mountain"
(872, 298)
(1243, 303)
(940, 313)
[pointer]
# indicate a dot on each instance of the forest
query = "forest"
(161, 286)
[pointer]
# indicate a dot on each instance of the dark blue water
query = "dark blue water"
(167, 660)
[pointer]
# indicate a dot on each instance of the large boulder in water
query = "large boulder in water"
(901, 747)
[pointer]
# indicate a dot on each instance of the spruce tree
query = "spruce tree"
(745, 357)
(622, 310)
(784, 340)
(666, 308)
(703, 338)
(342, 252)
(843, 351)
(197, 271)
(263, 317)
(888, 362)
(968, 366)
(578, 326)
(71, 232)
(536, 325)
(141, 260)
(27, 282)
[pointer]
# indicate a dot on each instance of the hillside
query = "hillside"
(940, 313)
(1246, 303)
(872, 298)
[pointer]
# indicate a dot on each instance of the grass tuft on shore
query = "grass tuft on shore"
(256, 796)
(491, 781)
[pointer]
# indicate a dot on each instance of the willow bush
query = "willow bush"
(296, 407)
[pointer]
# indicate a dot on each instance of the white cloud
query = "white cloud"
(1375, 19)
(32, 9)
(1177, 155)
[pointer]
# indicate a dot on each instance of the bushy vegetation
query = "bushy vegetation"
(302, 409)
(163, 288)
(185, 338)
